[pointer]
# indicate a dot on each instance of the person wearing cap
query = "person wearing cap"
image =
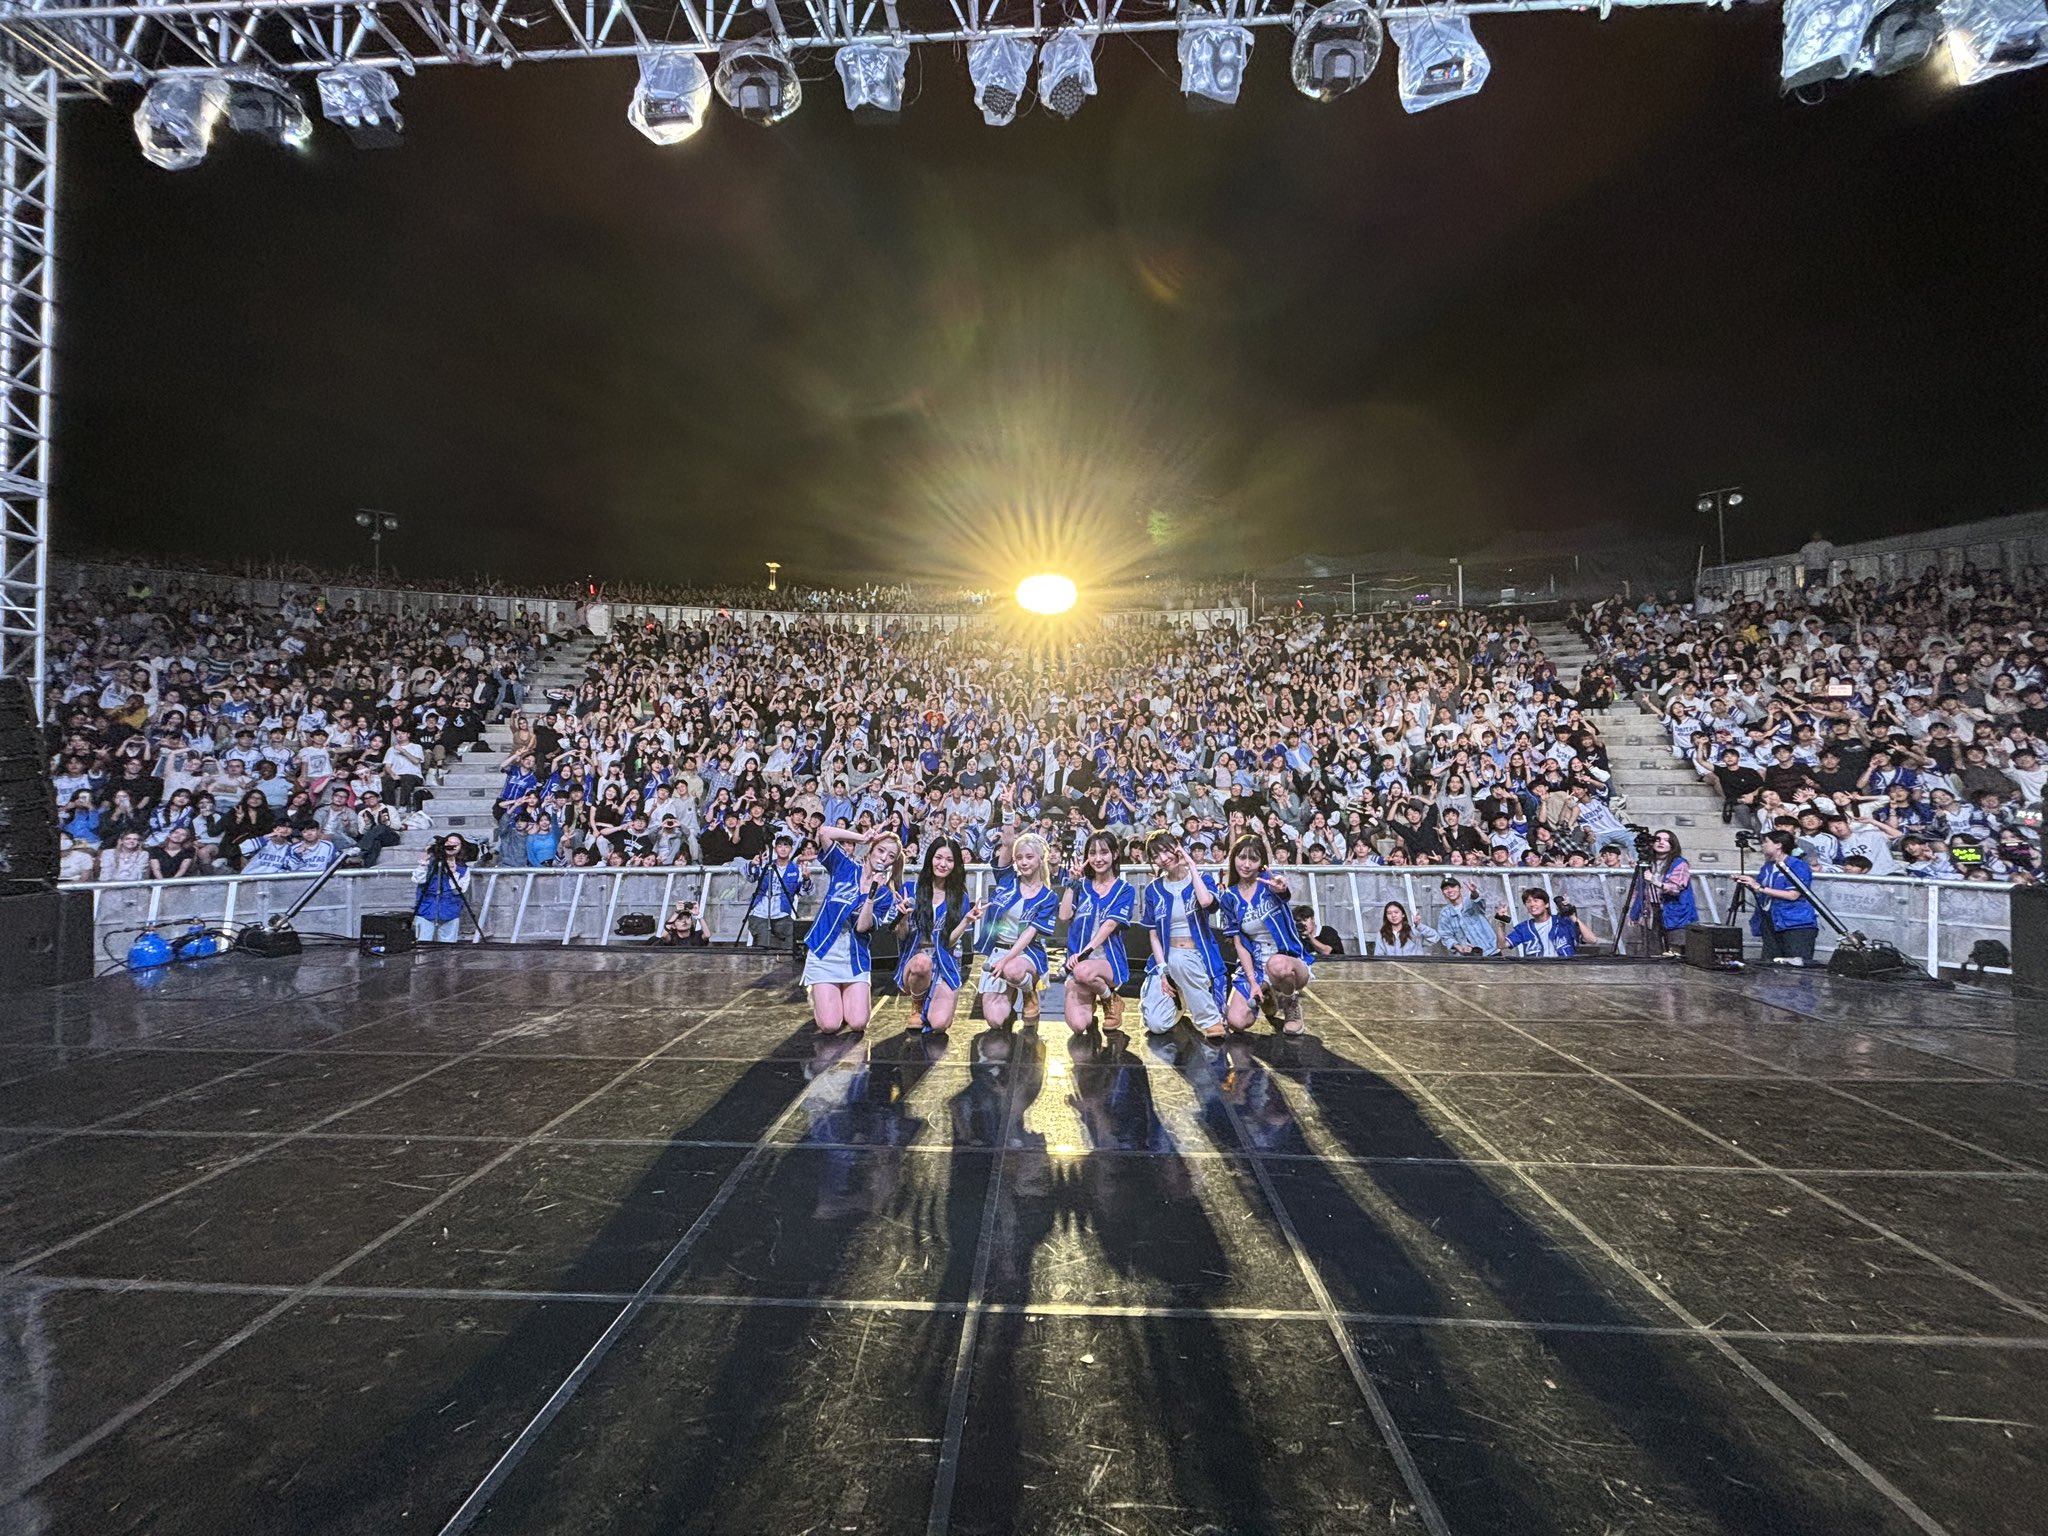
(778, 886)
(1462, 926)
(1783, 917)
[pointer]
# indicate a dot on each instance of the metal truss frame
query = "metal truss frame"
(95, 43)
(28, 230)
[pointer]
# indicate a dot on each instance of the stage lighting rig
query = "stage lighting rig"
(1213, 57)
(364, 102)
(1000, 68)
(264, 107)
(175, 123)
(872, 73)
(1440, 59)
(673, 97)
(1995, 37)
(1901, 35)
(1336, 46)
(1822, 39)
(756, 79)
(1066, 71)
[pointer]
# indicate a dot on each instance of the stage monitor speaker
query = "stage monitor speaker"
(2029, 944)
(49, 939)
(386, 933)
(28, 812)
(1713, 949)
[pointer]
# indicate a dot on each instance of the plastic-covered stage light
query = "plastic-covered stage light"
(1901, 35)
(1440, 59)
(1213, 57)
(1000, 68)
(1822, 40)
(364, 102)
(1336, 46)
(1066, 71)
(756, 79)
(873, 76)
(175, 123)
(1995, 37)
(264, 107)
(673, 97)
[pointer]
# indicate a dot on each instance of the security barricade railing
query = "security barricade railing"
(1935, 923)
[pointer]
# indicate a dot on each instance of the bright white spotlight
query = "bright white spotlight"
(1440, 58)
(1066, 71)
(1000, 68)
(756, 80)
(1335, 47)
(1046, 593)
(673, 97)
(364, 102)
(873, 75)
(1213, 56)
(1994, 37)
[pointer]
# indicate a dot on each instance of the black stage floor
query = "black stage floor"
(518, 1242)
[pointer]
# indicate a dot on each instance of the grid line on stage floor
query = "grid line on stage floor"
(1381, 1274)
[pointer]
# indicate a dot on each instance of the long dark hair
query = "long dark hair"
(1115, 846)
(955, 889)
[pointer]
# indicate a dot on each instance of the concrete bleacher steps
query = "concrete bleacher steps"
(463, 803)
(1661, 790)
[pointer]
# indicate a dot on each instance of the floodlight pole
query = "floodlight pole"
(379, 524)
(28, 318)
(1461, 583)
(1719, 502)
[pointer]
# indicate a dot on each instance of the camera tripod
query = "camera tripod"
(438, 863)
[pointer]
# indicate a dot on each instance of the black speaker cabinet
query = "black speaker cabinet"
(386, 933)
(49, 939)
(1713, 949)
(2030, 942)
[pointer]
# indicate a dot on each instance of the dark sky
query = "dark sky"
(1626, 271)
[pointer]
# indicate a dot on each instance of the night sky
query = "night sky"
(1137, 341)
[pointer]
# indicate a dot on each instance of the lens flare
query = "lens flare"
(1045, 593)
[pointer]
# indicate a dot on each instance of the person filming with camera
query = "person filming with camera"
(1661, 906)
(684, 926)
(1546, 935)
(442, 876)
(1784, 919)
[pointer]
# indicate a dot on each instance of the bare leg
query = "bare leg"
(855, 998)
(938, 1008)
(826, 1008)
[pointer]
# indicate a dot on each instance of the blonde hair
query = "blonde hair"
(1033, 841)
(895, 864)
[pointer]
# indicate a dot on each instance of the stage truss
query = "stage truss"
(95, 45)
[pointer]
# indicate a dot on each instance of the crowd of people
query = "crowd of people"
(1883, 729)
(192, 735)
(1886, 728)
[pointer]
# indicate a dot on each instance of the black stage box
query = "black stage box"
(2030, 942)
(386, 933)
(49, 939)
(1713, 949)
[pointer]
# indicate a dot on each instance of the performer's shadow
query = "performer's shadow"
(1644, 1388)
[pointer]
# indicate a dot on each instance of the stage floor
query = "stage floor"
(573, 1242)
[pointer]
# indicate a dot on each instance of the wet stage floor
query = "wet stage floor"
(569, 1242)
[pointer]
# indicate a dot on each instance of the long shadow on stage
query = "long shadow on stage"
(1641, 1387)
(1152, 1386)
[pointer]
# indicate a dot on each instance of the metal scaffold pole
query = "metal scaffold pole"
(28, 227)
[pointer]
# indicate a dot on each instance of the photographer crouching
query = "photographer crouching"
(1661, 905)
(1547, 934)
